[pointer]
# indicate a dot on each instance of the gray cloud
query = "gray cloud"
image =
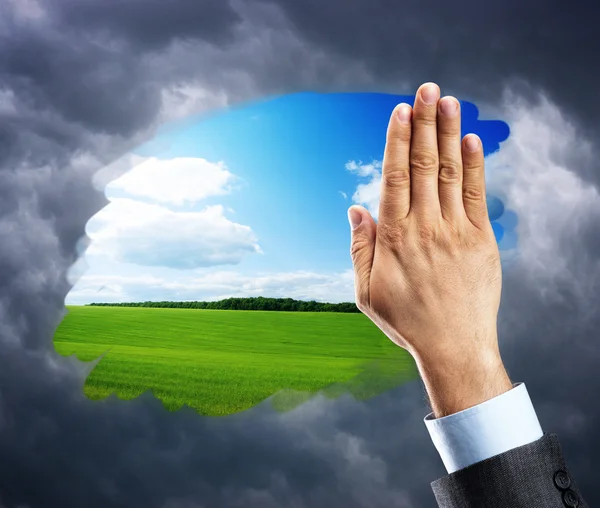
(151, 25)
(81, 83)
(471, 48)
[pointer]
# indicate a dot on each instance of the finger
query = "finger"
(362, 250)
(450, 154)
(473, 188)
(424, 161)
(395, 182)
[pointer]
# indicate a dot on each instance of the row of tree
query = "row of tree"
(255, 303)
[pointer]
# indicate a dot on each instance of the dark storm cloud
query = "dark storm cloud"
(60, 449)
(75, 96)
(152, 23)
(78, 79)
(81, 82)
(105, 65)
(470, 47)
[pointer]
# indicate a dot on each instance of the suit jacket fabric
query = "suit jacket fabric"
(531, 476)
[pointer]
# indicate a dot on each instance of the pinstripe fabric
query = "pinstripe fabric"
(523, 477)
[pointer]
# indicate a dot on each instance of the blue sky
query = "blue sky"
(251, 201)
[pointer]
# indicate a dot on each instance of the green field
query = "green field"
(225, 361)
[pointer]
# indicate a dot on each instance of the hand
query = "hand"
(429, 274)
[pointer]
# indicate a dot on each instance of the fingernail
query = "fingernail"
(403, 112)
(472, 143)
(354, 217)
(430, 93)
(448, 106)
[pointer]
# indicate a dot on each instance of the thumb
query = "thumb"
(362, 250)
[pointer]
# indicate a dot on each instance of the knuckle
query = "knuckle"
(399, 134)
(473, 237)
(423, 162)
(386, 234)
(450, 171)
(396, 178)
(472, 193)
(457, 233)
(391, 234)
(426, 118)
(473, 165)
(449, 131)
(453, 243)
(426, 233)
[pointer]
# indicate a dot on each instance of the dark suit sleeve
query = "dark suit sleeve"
(530, 476)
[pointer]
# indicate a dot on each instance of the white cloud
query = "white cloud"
(177, 181)
(344, 195)
(364, 169)
(551, 201)
(115, 169)
(152, 235)
(301, 285)
(367, 194)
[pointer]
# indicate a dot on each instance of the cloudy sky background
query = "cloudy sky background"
(83, 83)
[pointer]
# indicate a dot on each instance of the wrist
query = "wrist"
(460, 381)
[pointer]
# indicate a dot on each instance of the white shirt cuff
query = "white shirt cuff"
(483, 431)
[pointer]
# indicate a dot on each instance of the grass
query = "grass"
(225, 361)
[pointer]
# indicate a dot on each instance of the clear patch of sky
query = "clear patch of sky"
(290, 153)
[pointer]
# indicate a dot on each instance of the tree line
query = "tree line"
(254, 303)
